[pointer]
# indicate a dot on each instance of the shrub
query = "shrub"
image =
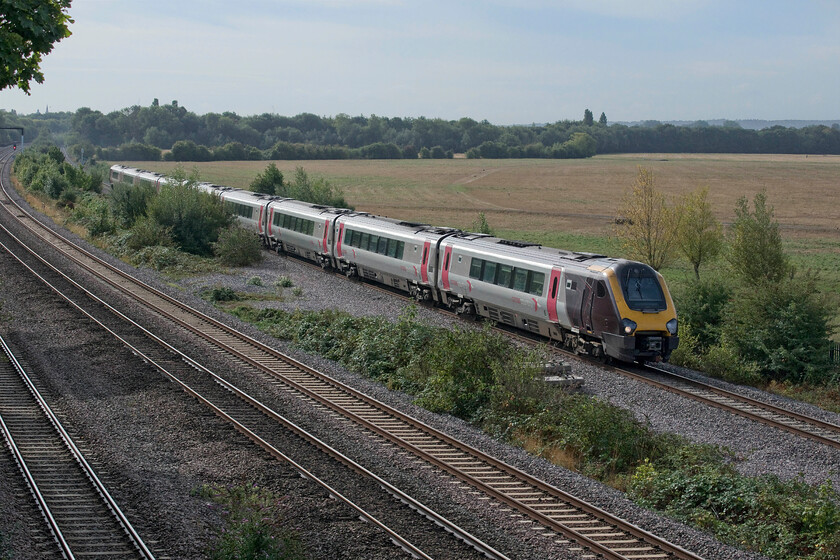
(129, 203)
(702, 309)
(784, 328)
(147, 233)
(254, 525)
(237, 247)
(194, 217)
(222, 293)
(94, 215)
(283, 282)
(254, 281)
(781, 519)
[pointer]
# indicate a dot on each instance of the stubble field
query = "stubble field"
(579, 196)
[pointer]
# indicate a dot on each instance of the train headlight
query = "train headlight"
(672, 327)
(628, 325)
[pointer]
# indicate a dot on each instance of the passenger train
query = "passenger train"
(591, 304)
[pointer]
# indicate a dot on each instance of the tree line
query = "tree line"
(173, 132)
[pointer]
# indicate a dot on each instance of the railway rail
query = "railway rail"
(553, 511)
(84, 519)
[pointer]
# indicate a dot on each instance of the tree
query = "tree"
(756, 255)
(269, 181)
(194, 217)
(699, 233)
(603, 119)
(588, 118)
(784, 328)
(28, 30)
(645, 225)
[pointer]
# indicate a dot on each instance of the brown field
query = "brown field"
(571, 196)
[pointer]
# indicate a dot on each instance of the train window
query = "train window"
(601, 289)
(373, 243)
(353, 237)
(400, 249)
(554, 288)
(536, 281)
(425, 255)
(489, 272)
(504, 276)
(446, 261)
(363, 242)
(392, 248)
(383, 246)
(520, 279)
(475, 268)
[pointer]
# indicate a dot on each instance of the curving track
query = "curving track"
(83, 518)
(556, 512)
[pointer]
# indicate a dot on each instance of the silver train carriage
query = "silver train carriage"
(592, 304)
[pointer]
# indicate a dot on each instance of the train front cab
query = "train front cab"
(648, 329)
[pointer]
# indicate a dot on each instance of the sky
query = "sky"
(506, 61)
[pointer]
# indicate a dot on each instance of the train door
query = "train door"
(424, 262)
(554, 287)
(586, 305)
(444, 271)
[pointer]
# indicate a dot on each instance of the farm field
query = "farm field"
(573, 196)
(572, 203)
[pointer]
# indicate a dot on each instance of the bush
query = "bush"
(148, 233)
(237, 247)
(254, 281)
(128, 203)
(781, 519)
(284, 282)
(94, 215)
(702, 312)
(222, 293)
(194, 217)
(784, 328)
(254, 525)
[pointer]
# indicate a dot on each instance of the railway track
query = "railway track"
(553, 512)
(84, 519)
(766, 413)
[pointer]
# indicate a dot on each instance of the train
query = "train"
(607, 308)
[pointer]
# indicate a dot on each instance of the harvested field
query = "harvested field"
(572, 196)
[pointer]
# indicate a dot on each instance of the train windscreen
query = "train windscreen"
(641, 288)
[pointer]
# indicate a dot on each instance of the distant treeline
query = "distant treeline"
(173, 133)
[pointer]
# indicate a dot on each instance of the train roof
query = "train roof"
(531, 252)
(394, 225)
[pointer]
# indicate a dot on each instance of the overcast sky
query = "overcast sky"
(507, 61)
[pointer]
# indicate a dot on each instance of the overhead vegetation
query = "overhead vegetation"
(29, 31)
